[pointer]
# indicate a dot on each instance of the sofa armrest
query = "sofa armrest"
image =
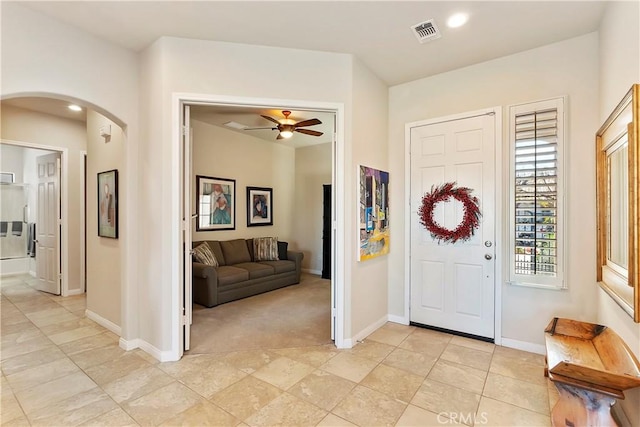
(205, 284)
(297, 258)
(204, 271)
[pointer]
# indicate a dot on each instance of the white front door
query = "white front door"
(48, 224)
(453, 285)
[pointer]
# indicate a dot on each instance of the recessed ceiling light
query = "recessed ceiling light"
(457, 20)
(235, 125)
(75, 107)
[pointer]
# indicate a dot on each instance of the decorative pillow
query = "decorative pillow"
(282, 250)
(203, 254)
(265, 249)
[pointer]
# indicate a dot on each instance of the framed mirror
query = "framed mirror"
(618, 203)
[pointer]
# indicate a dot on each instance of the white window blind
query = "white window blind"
(536, 194)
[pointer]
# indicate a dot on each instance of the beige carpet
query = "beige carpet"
(295, 316)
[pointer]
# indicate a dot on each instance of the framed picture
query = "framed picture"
(108, 204)
(259, 206)
(374, 213)
(216, 198)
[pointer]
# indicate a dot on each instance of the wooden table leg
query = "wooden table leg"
(578, 407)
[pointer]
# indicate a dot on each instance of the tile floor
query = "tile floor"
(61, 369)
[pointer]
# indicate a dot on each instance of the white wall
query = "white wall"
(566, 68)
(252, 162)
(313, 170)
(27, 126)
(619, 69)
(40, 55)
(104, 255)
(11, 158)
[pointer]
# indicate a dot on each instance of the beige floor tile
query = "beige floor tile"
(202, 414)
(146, 356)
(74, 410)
(97, 356)
(514, 368)
(90, 343)
(390, 335)
(428, 343)
(10, 407)
(554, 395)
(366, 407)
(249, 361)
(21, 421)
(137, 383)
(467, 356)
(51, 316)
(322, 389)
(54, 391)
(116, 368)
(495, 413)
(461, 376)
(162, 404)
(35, 305)
(418, 417)
(20, 337)
(353, 368)
(114, 418)
(410, 361)
(474, 344)
(332, 420)
(434, 335)
(37, 358)
(215, 377)
(42, 374)
(517, 392)
(314, 355)
(76, 334)
(393, 382)
(56, 328)
(246, 397)
(519, 355)
(287, 410)
(443, 398)
(16, 324)
(283, 372)
(371, 350)
(189, 364)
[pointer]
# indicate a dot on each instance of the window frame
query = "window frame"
(557, 282)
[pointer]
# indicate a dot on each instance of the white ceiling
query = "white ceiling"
(377, 32)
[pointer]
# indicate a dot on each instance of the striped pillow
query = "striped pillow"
(265, 249)
(203, 254)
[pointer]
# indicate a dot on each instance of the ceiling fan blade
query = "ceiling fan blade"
(272, 128)
(309, 132)
(310, 122)
(271, 119)
(279, 136)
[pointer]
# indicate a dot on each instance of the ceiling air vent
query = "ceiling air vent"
(426, 31)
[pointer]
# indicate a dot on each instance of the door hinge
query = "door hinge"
(184, 130)
(184, 320)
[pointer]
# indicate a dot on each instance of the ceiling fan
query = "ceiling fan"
(287, 126)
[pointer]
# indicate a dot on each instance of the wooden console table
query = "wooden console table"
(591, 366)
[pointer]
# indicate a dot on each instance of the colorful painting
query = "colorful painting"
(259, 206)
(216, 203)
(374, 213)
(108, 204)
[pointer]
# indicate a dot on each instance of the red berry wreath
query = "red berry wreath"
(442, 193)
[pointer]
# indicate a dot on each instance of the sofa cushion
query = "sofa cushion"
(283, 247)
(217, 251)
(256, 270)
(265, 249)
(203, 254)
(235, 251)
(280, 266)
(228, 275)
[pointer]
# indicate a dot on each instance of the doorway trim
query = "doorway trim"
(338, 281)
(83, 221)
(499, 210)
(64, 211)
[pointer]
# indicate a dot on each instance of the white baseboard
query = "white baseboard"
(75, 292)
(369, 329)
(309, 271)
(162, 356)
(104, 322)
(398, 319)
(523, 345)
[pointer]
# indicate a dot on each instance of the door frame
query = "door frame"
(63, 253)
(339, 208)
(500, 227)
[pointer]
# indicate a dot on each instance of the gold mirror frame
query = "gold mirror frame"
(625, 119)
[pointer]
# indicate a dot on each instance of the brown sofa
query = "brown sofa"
(238, 275)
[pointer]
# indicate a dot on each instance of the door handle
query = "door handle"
(488, 256)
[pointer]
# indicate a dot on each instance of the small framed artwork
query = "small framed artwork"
(108, 204)
(259, 206)
(216, 198)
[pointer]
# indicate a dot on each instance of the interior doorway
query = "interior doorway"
(327, 244)
(189, 216)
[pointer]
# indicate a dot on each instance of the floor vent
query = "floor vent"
(426, 31)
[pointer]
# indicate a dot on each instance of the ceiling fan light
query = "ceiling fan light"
(286, 134)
